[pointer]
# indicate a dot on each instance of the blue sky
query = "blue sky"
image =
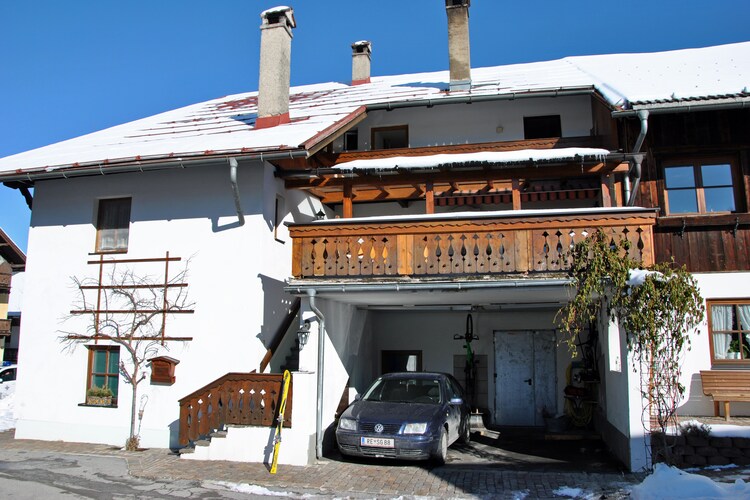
(74, 67)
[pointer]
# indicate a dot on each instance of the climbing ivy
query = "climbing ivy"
(658, 315)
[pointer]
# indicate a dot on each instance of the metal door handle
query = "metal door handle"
(528, 381)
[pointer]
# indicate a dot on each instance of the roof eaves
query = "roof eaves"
(144, 163)
(683, 105)
(10, 252)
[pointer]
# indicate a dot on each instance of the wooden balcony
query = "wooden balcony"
(5, 281)
(4, 327)
(468, 246)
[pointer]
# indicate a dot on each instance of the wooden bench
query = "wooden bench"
(724, 386)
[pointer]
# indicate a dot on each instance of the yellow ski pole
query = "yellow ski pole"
(282, 408)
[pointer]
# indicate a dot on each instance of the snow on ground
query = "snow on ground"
(717, 430)
(7, 403)
(670, 482)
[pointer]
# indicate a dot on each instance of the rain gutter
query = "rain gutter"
(738, 102)
(311, 292)
(106, 168)
(443, 286)
(471, 98)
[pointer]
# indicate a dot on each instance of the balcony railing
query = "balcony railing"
(481, 244)
(235, 398)
(4, 327)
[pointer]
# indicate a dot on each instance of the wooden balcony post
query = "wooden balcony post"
(516, 194)
(429, 197)
(606, 196)
(348, 208)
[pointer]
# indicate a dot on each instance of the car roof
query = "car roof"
(415, 375)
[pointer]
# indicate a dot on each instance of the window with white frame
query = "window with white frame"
(729, 331)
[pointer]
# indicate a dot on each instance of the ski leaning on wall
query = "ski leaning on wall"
(282, 408)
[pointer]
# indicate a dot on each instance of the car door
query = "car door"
(454, 411)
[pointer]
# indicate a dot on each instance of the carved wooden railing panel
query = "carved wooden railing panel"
(234, 399)
(461, 247)
(5, 327)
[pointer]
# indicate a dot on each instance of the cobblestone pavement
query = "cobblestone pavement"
(460, 478)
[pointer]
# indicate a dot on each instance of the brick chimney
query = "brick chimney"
(361, 56)
(275, 66)
(458, 43)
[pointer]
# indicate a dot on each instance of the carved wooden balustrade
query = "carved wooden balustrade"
(481, 244)
(235, 398)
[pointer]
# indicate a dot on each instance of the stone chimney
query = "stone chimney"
(275, 66)
(361, 57)
(458, 43)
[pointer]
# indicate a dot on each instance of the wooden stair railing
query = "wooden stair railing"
(233, 399)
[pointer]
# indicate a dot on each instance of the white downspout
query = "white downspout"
(236, 189)
(635, 165)
(321, 357)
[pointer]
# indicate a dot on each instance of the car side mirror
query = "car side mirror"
(457, 401)
(357, 397)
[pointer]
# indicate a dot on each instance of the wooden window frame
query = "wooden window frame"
(725, 363)
(376, 130)
(696, 163)
(102, 205)
(107, 375)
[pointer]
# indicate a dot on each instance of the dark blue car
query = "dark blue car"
(411, 415)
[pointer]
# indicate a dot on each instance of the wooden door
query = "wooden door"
(526, 377)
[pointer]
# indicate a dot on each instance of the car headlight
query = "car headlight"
(415, 428)
(348, 424)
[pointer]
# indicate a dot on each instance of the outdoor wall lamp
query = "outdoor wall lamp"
(303, 334)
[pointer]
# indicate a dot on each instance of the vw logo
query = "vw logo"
(378, 428)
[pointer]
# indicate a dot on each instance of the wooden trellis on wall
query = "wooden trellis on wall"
(101, 287)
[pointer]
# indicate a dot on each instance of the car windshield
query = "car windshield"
(405, 390)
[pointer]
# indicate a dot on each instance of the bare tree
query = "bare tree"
(130, 309)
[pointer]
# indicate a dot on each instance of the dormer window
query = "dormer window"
(351, 140)
(542, 127)
(390, 137)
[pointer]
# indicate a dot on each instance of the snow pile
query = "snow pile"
(669, 482)
(568, 492)
(252, 489)
(7, 403)
(716, 430)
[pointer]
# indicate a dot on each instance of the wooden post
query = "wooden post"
(348, 207)
(606, 197)
(516, 194)
(429, 197)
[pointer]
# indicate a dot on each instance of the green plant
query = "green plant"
(657, 314)
(695, 429)
(99, 392)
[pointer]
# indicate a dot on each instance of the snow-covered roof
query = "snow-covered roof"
(225, 126)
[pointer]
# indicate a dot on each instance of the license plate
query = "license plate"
(376, 442)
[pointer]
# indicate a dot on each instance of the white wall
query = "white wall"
(479, 122)
(236, 278)
(712, 286)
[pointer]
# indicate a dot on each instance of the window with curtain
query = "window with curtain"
(104, 368)
(729, 331)
(113, 225)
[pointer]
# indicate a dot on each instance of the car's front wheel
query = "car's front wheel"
(465, 437)
(442, 450)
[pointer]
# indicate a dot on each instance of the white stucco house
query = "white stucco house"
(393, 210)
